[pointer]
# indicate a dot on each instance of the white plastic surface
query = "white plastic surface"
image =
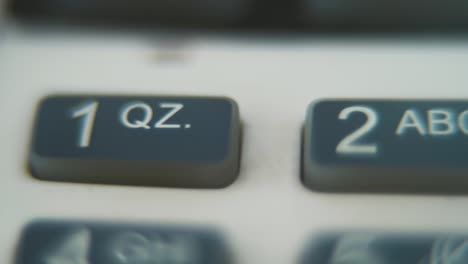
(266, 215)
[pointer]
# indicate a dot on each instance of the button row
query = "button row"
(55, 242)
(316, 15)
(194, 142)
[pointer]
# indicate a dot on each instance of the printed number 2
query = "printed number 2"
(88, 112)
(348, 145)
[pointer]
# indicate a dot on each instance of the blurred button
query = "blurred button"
(154, 141)
(373, 248)
(186, 12)
(389, 146)
(53, 242)
(386, 14)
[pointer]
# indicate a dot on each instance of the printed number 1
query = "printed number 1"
(88, 112)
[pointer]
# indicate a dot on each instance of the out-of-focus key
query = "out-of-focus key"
(54, 242)
(381, 15)
(386, 146)
(153, 141)
(181, 12)
(386, 248)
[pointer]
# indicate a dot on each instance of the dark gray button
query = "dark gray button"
(190, 13)
(55, 242)
(390, 146)
(387, 248)
(155, 141)
(378, 15)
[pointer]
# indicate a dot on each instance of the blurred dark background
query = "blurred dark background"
(256, 15)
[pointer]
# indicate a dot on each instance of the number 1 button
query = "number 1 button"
(191, 142)
(386, 146)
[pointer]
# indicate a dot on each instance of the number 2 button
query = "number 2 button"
(386, 146)
(191, 142)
